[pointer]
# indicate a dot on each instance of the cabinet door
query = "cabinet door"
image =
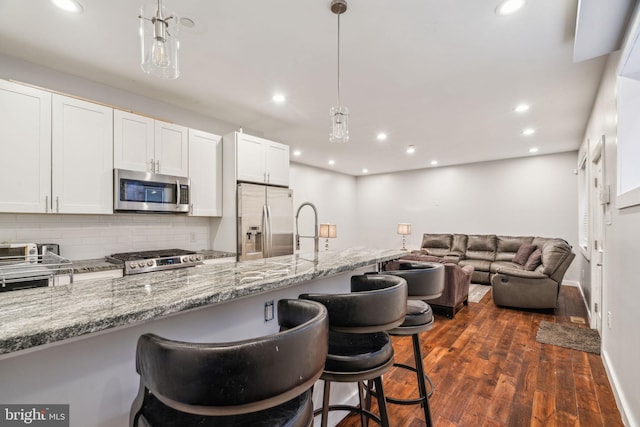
(250, 158)
(25, 143)
(133, 142)
(205, 172)
(277, 163)
(82, 152)
(171, 149)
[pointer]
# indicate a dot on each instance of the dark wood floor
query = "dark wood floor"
(489, 370)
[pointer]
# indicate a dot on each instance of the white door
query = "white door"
(250, 158)
(597, 252)
(205, 172)
(25, 143)
(171, 149)
(82, 156)
(277, 163)
(133, 142)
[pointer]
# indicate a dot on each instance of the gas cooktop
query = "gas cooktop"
(163, 259)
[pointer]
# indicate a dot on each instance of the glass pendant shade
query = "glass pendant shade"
(339, 126)
(159, 42)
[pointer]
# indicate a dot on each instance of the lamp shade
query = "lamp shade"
(328, 231)
(404, 228)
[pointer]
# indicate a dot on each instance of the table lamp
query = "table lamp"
(328, 231)
(404, 228)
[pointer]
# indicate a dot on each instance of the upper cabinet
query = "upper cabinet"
(25, 143)
(260, 160)
(205, 173)
(147, 145)
(58, 153)
(82, 157)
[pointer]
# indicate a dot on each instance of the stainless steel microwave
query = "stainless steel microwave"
(150, 192)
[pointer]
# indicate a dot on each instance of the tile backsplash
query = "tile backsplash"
(94, 236)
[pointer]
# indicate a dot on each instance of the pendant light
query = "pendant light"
(339, 115)
(159, 42)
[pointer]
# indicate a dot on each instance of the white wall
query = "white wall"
(334, 196)
(527, 196)
(621, 293)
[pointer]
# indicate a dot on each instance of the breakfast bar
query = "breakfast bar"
(75, 344)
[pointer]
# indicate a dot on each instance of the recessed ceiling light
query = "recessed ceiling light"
(411, 149)
(68, 5)
(434, 162)
(332, 162)
(297, 153)
(521, 108)
(533, 150)
(508, 7)
(279, 98)
(365, 170)
(382, 136)
(187, 22)
(528, 131)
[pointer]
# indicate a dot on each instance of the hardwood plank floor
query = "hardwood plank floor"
(489, 370)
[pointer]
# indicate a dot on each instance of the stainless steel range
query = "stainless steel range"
(164, 259)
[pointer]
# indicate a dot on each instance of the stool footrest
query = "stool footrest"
(426, 377)
(348, 408)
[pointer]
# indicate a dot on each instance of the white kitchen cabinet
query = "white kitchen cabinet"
(147, 145)
(25, 143)
(82, 157)
(205, 172)
(260, 160)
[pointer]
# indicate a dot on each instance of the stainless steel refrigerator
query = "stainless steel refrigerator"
(265, 221)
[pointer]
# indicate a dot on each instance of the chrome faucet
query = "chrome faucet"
(316, 236)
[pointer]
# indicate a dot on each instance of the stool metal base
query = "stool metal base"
(423, 379)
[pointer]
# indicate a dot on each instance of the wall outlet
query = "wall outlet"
(609, 319)
(268, 311)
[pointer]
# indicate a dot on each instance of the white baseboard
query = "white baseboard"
(620, 400)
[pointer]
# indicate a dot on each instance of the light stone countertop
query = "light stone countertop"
(33, 317)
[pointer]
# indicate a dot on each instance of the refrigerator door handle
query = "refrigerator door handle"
(265, 232)
(270, 235)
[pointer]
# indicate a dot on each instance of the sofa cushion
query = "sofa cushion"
(459, 245)
(508, 247)
(437, 244)
(535, 259)
(523, 254)
(477, 264)
(481, 247)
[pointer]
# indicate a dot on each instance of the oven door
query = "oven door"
(147, 192)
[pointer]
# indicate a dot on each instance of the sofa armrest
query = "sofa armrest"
(524, 274)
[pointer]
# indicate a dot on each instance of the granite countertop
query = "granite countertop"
(39, 316)
(101, 264)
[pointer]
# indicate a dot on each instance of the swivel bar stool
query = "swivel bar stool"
(359, 348)
(425, 280)
(263, 382)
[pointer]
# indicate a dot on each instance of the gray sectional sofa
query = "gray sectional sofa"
(524, 271)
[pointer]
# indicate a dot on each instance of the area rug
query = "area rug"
(477, 292)
(569, 336)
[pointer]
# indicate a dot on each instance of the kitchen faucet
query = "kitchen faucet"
(316, 236)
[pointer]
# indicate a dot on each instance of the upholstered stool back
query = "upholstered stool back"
(425, 280)
(239, 377)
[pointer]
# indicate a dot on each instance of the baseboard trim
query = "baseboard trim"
(620, 400)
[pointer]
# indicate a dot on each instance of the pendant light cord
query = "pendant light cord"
(339, 60)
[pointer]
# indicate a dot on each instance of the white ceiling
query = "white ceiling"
(443, 76)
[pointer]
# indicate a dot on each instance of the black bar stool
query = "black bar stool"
(359, 348)
(425, 280)
(264, 381)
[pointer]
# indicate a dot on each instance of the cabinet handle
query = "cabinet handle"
(152, 166)
(157, 166)
(57, 204)
(268, 177)
(46, 204)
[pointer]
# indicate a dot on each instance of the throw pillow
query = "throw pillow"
(534, 260)
(523, 254)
